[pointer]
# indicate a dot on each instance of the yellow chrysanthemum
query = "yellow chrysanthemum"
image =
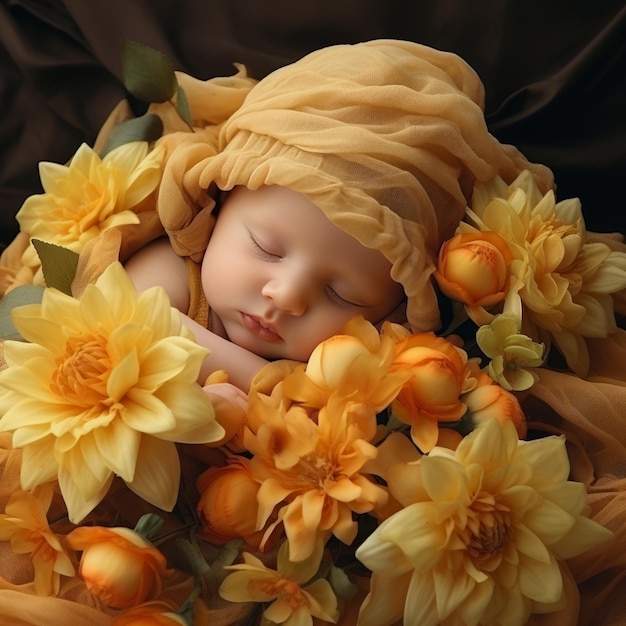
(104, 385)
(293, 602)
(563, 280)
(311, 471)
(481, 533)
(24, 523)
(89, 195)
(511, 352)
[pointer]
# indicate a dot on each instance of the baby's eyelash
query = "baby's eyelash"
(333, 295)
(262, 252)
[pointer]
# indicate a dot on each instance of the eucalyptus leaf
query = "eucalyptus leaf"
(148, 127)
(58, 265)
(148, 75)
(182, 106)
(25, 294)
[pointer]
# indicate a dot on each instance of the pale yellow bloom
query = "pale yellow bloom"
(104, 385)
(511, 352)
(311, 472)
(89, 195)
(563, 280)
(24, 523)
(481, 534)
(293, 602)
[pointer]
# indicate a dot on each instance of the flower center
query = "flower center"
(488, 530)
(314, 470)
(81, 374)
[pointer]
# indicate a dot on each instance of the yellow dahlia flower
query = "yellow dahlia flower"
(294, 594)
(89, 195)
(563, 280)
(105, 385)
(481, 533)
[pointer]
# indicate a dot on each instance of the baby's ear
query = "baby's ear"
(397, 316)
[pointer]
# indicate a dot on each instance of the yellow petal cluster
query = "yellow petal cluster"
(511, 352)
(293, 602)
(89, 195)
(563, 279)
(480, 534)
(104, 385)
(24, 523)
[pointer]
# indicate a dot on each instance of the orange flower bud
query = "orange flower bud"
(493, 401)
(439, 372)
(150, 614)
(228, 505)
(118, 565)
(473, 268)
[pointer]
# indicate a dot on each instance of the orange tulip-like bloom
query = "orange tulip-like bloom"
(312, 472)
(562, 279)
(494, 402)
(24, 523)
(354, 365)
(480, 535)
(473, 268)
(293, 602)
(104, 385)
(228, 503)
(439, 375)
(119, 565)
(155, 613)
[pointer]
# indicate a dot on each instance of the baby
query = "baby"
(323, 192)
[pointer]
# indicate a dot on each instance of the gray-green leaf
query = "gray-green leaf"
(148, 75)
(148, 127)
(182, 106)
(25, 294)
(58, 265)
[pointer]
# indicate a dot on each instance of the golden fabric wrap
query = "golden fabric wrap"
(386, 137)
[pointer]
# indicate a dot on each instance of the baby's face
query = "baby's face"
(280, 277)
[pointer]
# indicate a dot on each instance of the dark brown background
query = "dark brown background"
(554, 70)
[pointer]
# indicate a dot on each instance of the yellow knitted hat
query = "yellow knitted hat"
(386, 137)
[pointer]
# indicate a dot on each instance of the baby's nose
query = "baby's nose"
(288, 293)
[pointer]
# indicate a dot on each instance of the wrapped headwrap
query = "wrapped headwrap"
(386, 137)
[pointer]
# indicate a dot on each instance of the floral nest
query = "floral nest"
(390, 479)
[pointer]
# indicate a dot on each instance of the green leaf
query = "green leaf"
(182, 106)
(341, 584)
(148, 75)
(58, 265)
(25, 294)
(148, 127)
(149, 525)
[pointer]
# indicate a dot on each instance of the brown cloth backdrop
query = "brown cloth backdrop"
(554, 72)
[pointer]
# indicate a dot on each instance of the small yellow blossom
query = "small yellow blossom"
(89, 195)
(24, 523)
(480, 535)
(104, 385)
(563, 279)
(510, 352)
(293, 602)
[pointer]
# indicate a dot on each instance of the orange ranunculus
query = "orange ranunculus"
(150, 614)
(118, 565)
(493, 401)
(228, 506)
(473, 268)
(440, 374)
